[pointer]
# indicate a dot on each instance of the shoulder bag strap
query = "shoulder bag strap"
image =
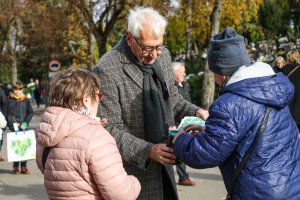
(45, 155)
(293, 70)
(248, 153)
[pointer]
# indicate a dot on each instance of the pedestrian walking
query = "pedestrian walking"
(250, 133)
(141, 100)
(78, 157)
(31, 87)
(37, 93)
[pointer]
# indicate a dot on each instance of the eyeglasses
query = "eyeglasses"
(148, 49)
(99, 95)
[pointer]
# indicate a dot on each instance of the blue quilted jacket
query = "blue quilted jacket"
(273, 169)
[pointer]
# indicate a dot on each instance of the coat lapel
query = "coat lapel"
(134, 73)
(130, 69)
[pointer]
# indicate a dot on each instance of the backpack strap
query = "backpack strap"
(293, 70)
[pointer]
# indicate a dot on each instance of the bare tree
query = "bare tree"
(208, 82)
(99, 18)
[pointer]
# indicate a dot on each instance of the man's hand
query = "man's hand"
(103, 121)
(201, 113)
(162, 154)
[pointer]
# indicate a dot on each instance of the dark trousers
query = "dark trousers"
(23, 164)
(181, 171)
(168, 190)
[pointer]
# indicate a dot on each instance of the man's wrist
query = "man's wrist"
(201, 113)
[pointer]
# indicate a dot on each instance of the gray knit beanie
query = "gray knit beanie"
(227, 52)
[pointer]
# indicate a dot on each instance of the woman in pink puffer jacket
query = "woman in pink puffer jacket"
(84, 161)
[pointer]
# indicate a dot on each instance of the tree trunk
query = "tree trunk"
(13, 58)
(188, 37)
(101, 41)
(208, 82)
(14, 68)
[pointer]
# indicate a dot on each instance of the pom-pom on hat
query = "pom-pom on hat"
(227, 52)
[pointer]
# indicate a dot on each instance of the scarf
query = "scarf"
(158, 112)
(18, 98)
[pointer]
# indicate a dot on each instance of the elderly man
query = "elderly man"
(140, 100)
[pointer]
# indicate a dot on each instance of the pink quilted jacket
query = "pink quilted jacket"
(85, 162)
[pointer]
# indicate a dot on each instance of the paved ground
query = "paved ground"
(209, 184)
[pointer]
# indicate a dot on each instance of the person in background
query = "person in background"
(140, 102)
(184, 91)
(31, 87)
(2, 97)
(292, 70)
(278, 64)
(2, 126)
(37, 93)
(2, 118)
(83, 161)
(249, 96)
(18, 112)
(8, 89)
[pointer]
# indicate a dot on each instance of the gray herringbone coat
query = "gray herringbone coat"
(122, 105)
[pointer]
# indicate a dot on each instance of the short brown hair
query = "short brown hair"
(18, 85)
(68, 88)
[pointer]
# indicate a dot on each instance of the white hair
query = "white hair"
(141, 17)
(176, 66)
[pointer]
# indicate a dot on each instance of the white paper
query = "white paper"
(21, 146)
(16, 127)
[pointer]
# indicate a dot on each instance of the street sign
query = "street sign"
(54, 65)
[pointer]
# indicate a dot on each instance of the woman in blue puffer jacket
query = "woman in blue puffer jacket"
(273, 168)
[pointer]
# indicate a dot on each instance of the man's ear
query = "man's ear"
(128, 37)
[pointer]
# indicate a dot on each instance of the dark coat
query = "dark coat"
(122, 105)
(18, 111)
(295, 79)
(273, 169)
(276, 69)
(184, 90)
(2, 99)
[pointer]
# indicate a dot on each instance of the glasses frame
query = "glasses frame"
(158, 48)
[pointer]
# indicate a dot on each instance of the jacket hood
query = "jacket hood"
(57, 123)
(259, 83)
